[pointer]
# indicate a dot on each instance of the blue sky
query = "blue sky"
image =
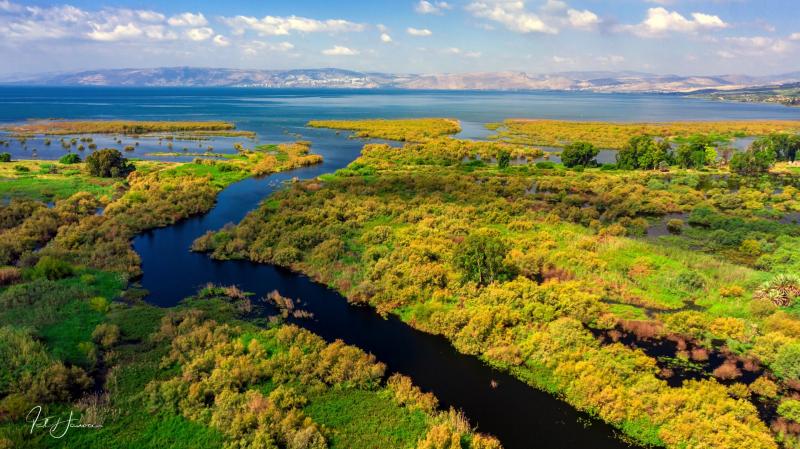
(416, 36)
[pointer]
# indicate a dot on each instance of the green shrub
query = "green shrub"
(70, 158)
(675, 226)
(106, 335)
(545, 165)
(51, 268)
(99, 304)
(287, 255)
(787, 362)
(790, 409)
(691, 281)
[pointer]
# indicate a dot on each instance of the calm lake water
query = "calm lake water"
(519, 415)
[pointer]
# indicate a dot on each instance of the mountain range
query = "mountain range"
(595, 81)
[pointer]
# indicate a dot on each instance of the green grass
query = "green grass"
(367, 420)
(53, 187)
(219, 178)
(137, 429)
(63, 337)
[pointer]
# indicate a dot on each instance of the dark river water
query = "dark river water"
(519, 415)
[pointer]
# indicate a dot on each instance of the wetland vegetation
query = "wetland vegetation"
(548, 272)
(658, 293)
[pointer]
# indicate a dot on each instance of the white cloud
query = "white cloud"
(150, 16)
(282, 26)
(582, 19)
(253, 48)
(511, 14)
(795, 37)
(661, 22)
(563, 60)
(338, 50)
(199, 34)
(426, 7)
(460, 52)
(7, 6)
(419, 32)
(221, 41)
(756, 45)
(385, 38)
(33, 23)
(119, 32)
(188, 19)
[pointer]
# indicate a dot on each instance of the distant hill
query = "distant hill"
(597, 81)
(786, 94)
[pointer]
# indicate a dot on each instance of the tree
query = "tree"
(755, 160)
(784, 146)
(644, 152)
(503, 159)
(698, 152)
(5, 157)
(70, 158)
(481, 257)
(579, 153)
(108, 163)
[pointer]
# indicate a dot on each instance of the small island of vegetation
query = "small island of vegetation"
(406, 130)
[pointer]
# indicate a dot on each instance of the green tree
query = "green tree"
(481, 257)
(5, 157)
(698, 152)
(503, 159)
(755, 160)
(108, 163)
(579, 153)
(644, 152)
(784, 146)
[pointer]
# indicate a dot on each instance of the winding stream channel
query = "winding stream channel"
(521, 416)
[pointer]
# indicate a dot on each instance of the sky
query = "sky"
(684, 37)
